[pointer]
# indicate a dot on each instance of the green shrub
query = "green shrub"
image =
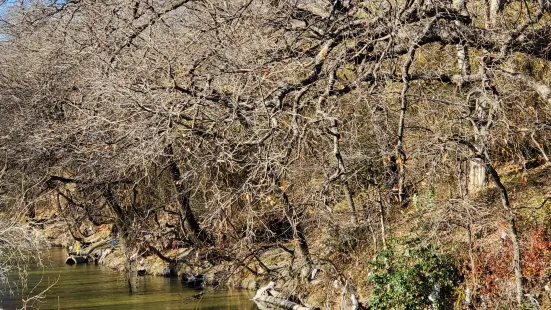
(412, 275)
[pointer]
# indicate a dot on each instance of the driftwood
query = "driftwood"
(268, 295)
(103, 255)
(96, 245)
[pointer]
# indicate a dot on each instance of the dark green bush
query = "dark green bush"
(412, 275)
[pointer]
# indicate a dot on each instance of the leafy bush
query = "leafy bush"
(412, 275)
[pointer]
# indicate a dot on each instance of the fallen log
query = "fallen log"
(283, 303)
(267, 294)
(76, 259)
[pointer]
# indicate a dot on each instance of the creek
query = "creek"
(87, 286)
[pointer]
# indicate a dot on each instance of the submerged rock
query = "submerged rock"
(197, 281)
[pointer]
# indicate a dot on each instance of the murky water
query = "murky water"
(97, 287)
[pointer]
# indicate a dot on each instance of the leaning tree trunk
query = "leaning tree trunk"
(184, 198)
(512, 230)
(296, 225)
(333, 130)
(121, 223)
(509, 215)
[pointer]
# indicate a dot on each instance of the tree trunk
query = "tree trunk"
(477, 176)
(477, 171)
(183, 198)
(482, 122)
(512, 230)
(121, 223)
(298, 231)
(350, 201)
(341, 170)
(493, 12)
(382, 218)
(128, 270)
(509, 215)
(400, 152)
(31, 213)
(294, 221)
(340, 173)
(472, 261)
(463, 60)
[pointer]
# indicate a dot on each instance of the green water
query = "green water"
(97, 287)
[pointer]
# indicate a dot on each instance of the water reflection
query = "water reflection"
(97, 287)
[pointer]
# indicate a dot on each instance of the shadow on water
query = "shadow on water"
(98, 287)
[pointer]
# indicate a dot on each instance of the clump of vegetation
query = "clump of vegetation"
(494, 272)
(409, 274)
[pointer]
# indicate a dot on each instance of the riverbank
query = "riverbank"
(112, 256)
(100, 288)
(224, 275)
